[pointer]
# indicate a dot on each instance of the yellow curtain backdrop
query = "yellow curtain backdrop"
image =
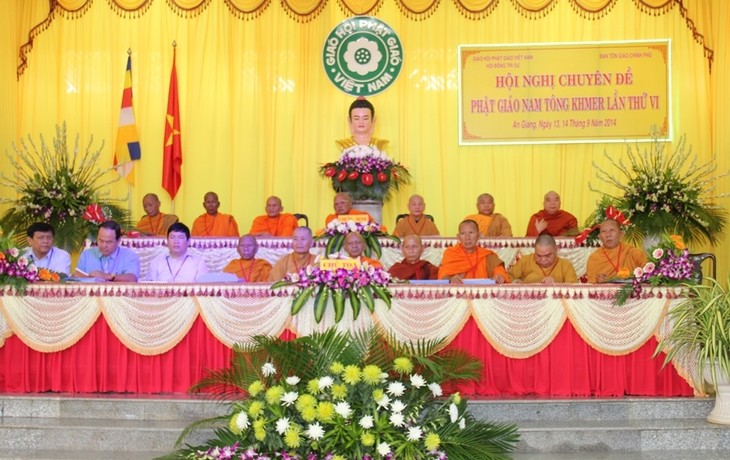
(258, 115)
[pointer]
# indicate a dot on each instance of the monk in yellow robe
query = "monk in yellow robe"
(491, 224)
(551, 219)
(354, 246)
(154, 222)
(544, 265)
(412, 267)
(274, 222)
(214, 223)
(301, 242)
(416, 222)
(343, 207)
(613, 259)
(467, 260)
(249, 269)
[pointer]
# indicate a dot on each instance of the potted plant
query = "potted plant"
(699, 329)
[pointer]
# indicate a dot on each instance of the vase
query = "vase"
(721, 411)
(372, 207)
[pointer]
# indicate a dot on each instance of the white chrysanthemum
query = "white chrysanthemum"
(289, 398)
(325, 382)
(417, 381)
(396, 389)
(268, 369)
(343, 408)
(414, 433)
(315, 431)
(282, 425)
(383, 449)
(462, 423)
(435, 389)
(293, 380)
(397, 419)
(367, 422)
(294, 277)
(242, 422)
(453, 412)
(383, 402)
(397, 406)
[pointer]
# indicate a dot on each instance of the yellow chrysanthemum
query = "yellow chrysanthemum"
(337, 367)
(233, 426)
(351, 375)
(259, 423)
(274, 394)
(292, 437)
(325, 411)
(313, 386)
(259, 434)
(403, 365)
(367, 439)
(255, 388)
(338, 457)
(305, 400)
(339, 391)
(255, 408)
(432, 441)
(371, 374)
(309, 413)
(378, 394)
(456, 398)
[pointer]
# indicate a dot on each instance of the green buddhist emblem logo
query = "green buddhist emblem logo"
(362, 56)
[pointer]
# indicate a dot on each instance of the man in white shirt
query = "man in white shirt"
(179, 266)
(41, 251)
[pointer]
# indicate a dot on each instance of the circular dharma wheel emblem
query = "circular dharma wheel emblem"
(362, 56)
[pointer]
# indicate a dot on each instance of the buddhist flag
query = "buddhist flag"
(172, 150)
(128, 149)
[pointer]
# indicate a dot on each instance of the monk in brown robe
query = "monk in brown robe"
(467, 260)
(354, 246)
(249, 269)
(412, 267)
(613, 259)
(154, 222)
(214, 223)
(274, 222)
(416, 222)
(544, 265)
(301, 242)
(343, 207)
(551, 219)
(491, 224)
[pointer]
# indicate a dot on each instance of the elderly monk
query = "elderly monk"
(613, 259)
(249, 269)
(354, 246)
(416, 222)
(214, 223)
(179, 265)
(491, 224)
(467, 260)
(301, 242)
(544, 265)
(154, 222)
(412, 267)
(343, 207)
(551, 219)
(274, 222)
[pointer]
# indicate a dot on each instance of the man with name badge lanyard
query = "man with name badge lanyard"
(179, 266)
(108, 261)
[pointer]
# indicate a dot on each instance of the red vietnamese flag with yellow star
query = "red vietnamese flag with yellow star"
(172, 149)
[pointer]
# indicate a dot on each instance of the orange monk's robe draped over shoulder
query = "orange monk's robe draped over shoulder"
(409, 226)
(492, 226)
(610, 261)
(250, 271)
(281, 225)
(220, 225)
(480, 264)
(290, 263)
(372, 262)
(528, 271)
(156, 225)
(561, 223)
(421, 270)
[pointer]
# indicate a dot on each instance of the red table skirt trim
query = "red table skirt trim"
(100, 363)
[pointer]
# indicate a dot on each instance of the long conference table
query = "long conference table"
(152, 338)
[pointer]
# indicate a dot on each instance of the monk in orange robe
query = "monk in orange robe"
(249, 269)
(354, 246)
(543, 265)
(214, 223)
(551, 219)
(154, 223)
(613, 259)
(416, 222)
(301, 242)
(343, 207)
(274, 222)
(467, 260)
(491, 224)
(412, 267)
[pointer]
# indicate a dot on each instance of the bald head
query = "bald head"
(211, 203)
(247, 247)
(412, 248)
(151, 204)
(551, 202)
(546, 251)
(273, 206)
(485, 204)
(354, 244)
(416, 206)
(342, 203)
(610, 234)
(302, 240)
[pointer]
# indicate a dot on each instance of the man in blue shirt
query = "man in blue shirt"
(108, 261)
(43, 253)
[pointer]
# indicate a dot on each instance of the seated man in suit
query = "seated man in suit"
(301, 242)
(274, 222)
(544, 265)
(249, 269)
(154, 222)
(467, 260)
(214, 223)
(179, 265)
(108, 261)
(416, 222)
(412, 267)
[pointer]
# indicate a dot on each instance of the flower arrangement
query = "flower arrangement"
(336, 231)
(664, 192)
(16, 270)
(58, 186)
(356, 286)
(346, 396)
(366, 173)
(668, 263)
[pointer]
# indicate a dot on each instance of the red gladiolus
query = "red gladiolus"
(382, 177)
(353, 175)
(342, 175)
(367, 179)
(331, 171)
